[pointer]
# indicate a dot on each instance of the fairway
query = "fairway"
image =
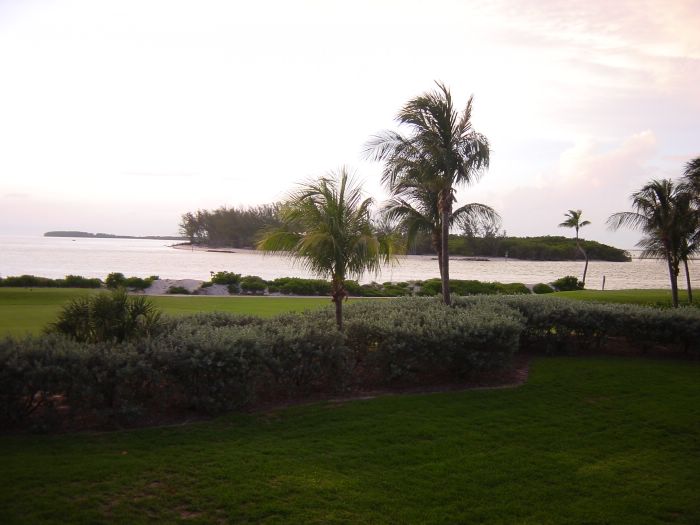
(28, 310)
(585, 440)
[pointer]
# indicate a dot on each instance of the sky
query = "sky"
(120, 116)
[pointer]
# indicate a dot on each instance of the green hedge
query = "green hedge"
(557, 325)
(32, 281)
(433, 287)
(216, 362)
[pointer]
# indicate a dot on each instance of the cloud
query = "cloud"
(594, 176)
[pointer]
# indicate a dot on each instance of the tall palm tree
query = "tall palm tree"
(659, 212)
(573, 220)
(442, 151)
(327, 226)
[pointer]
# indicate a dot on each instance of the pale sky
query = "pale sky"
(120, 116)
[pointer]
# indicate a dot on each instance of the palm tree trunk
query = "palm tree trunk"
(687, 280)
(585, 256)
(673, 275)
(437, 246)
(445, 253)
(338, 295)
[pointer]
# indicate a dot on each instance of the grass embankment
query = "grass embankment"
(583, 441)
(28, 311)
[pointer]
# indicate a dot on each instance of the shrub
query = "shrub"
(297, 286)
(252, 284)
(557, 325)
(77, 281)
(181, 290)
(137, 283)
(541, 288)
(111, 316)
(115, 280)
(568, 283)
(28, 281)
(226, 278)
(423, 341)
(433, 287)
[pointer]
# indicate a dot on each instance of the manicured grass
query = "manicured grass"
(586, 440)
(645, 297)
(28, 311)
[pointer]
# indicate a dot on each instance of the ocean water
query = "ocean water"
(59, 256)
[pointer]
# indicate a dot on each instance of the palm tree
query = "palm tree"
(660, 213)
(573, 220)
(326, 225)
(441, 152)
(692, 173)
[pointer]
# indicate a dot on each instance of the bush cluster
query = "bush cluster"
(433, 287)
(117, 280)
(567, 284)
(557, 325)
(32, 281)
(541, 288)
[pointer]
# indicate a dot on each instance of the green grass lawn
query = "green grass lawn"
(585, 440)
(646, 297)
(28, 311)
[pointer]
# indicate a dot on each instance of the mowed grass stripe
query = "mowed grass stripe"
(585, 440)
(27, 311)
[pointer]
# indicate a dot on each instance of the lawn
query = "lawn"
(585, 440)
(26, 310)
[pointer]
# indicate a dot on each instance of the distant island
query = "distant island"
(110, 236)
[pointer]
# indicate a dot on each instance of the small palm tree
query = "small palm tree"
(327, 226)
(573, 220)
(660, 209)
(441, 152)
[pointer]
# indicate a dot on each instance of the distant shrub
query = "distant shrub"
(226, 278)
(77, 281)
(32, 281)
(28, 281)
(432, 287)
(137, 283)
(297, 286)
(115, 280)
(207, 284)
(180, 290)
(568, 283)
(113, 316)
(541, 288)
(252, 284)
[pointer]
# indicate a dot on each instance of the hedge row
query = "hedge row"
(557, 325)
(32, 281)
(216, 362)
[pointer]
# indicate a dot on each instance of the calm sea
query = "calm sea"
(58, 256)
